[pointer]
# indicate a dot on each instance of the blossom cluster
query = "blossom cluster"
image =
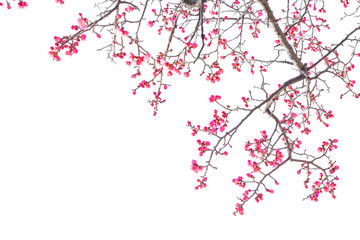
(195, 167)
(202, 183)
(21, 4)
(211, 43)
(70, 43)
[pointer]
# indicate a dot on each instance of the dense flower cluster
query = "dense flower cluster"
(216, 35)
(195, 167)
(69, 44)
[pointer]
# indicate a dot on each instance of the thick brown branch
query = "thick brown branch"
(281, 35)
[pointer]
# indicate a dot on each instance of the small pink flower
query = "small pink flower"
(54, 55)
(129, 9)
(82, 24)
(59, 1)
(150, 24)
(122, 31)
(22, 4)
(132, 57)
(147, 56)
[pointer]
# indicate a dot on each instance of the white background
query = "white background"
(81, 158)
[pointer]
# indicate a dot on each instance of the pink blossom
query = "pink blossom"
(214, 98)
(55, 56)
(82, 24)
(147, 56)
(22, 4)
(122, 31)
(239, 208)
(195, 167)
(129, 9)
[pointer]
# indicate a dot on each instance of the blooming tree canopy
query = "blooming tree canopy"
(219, 35)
